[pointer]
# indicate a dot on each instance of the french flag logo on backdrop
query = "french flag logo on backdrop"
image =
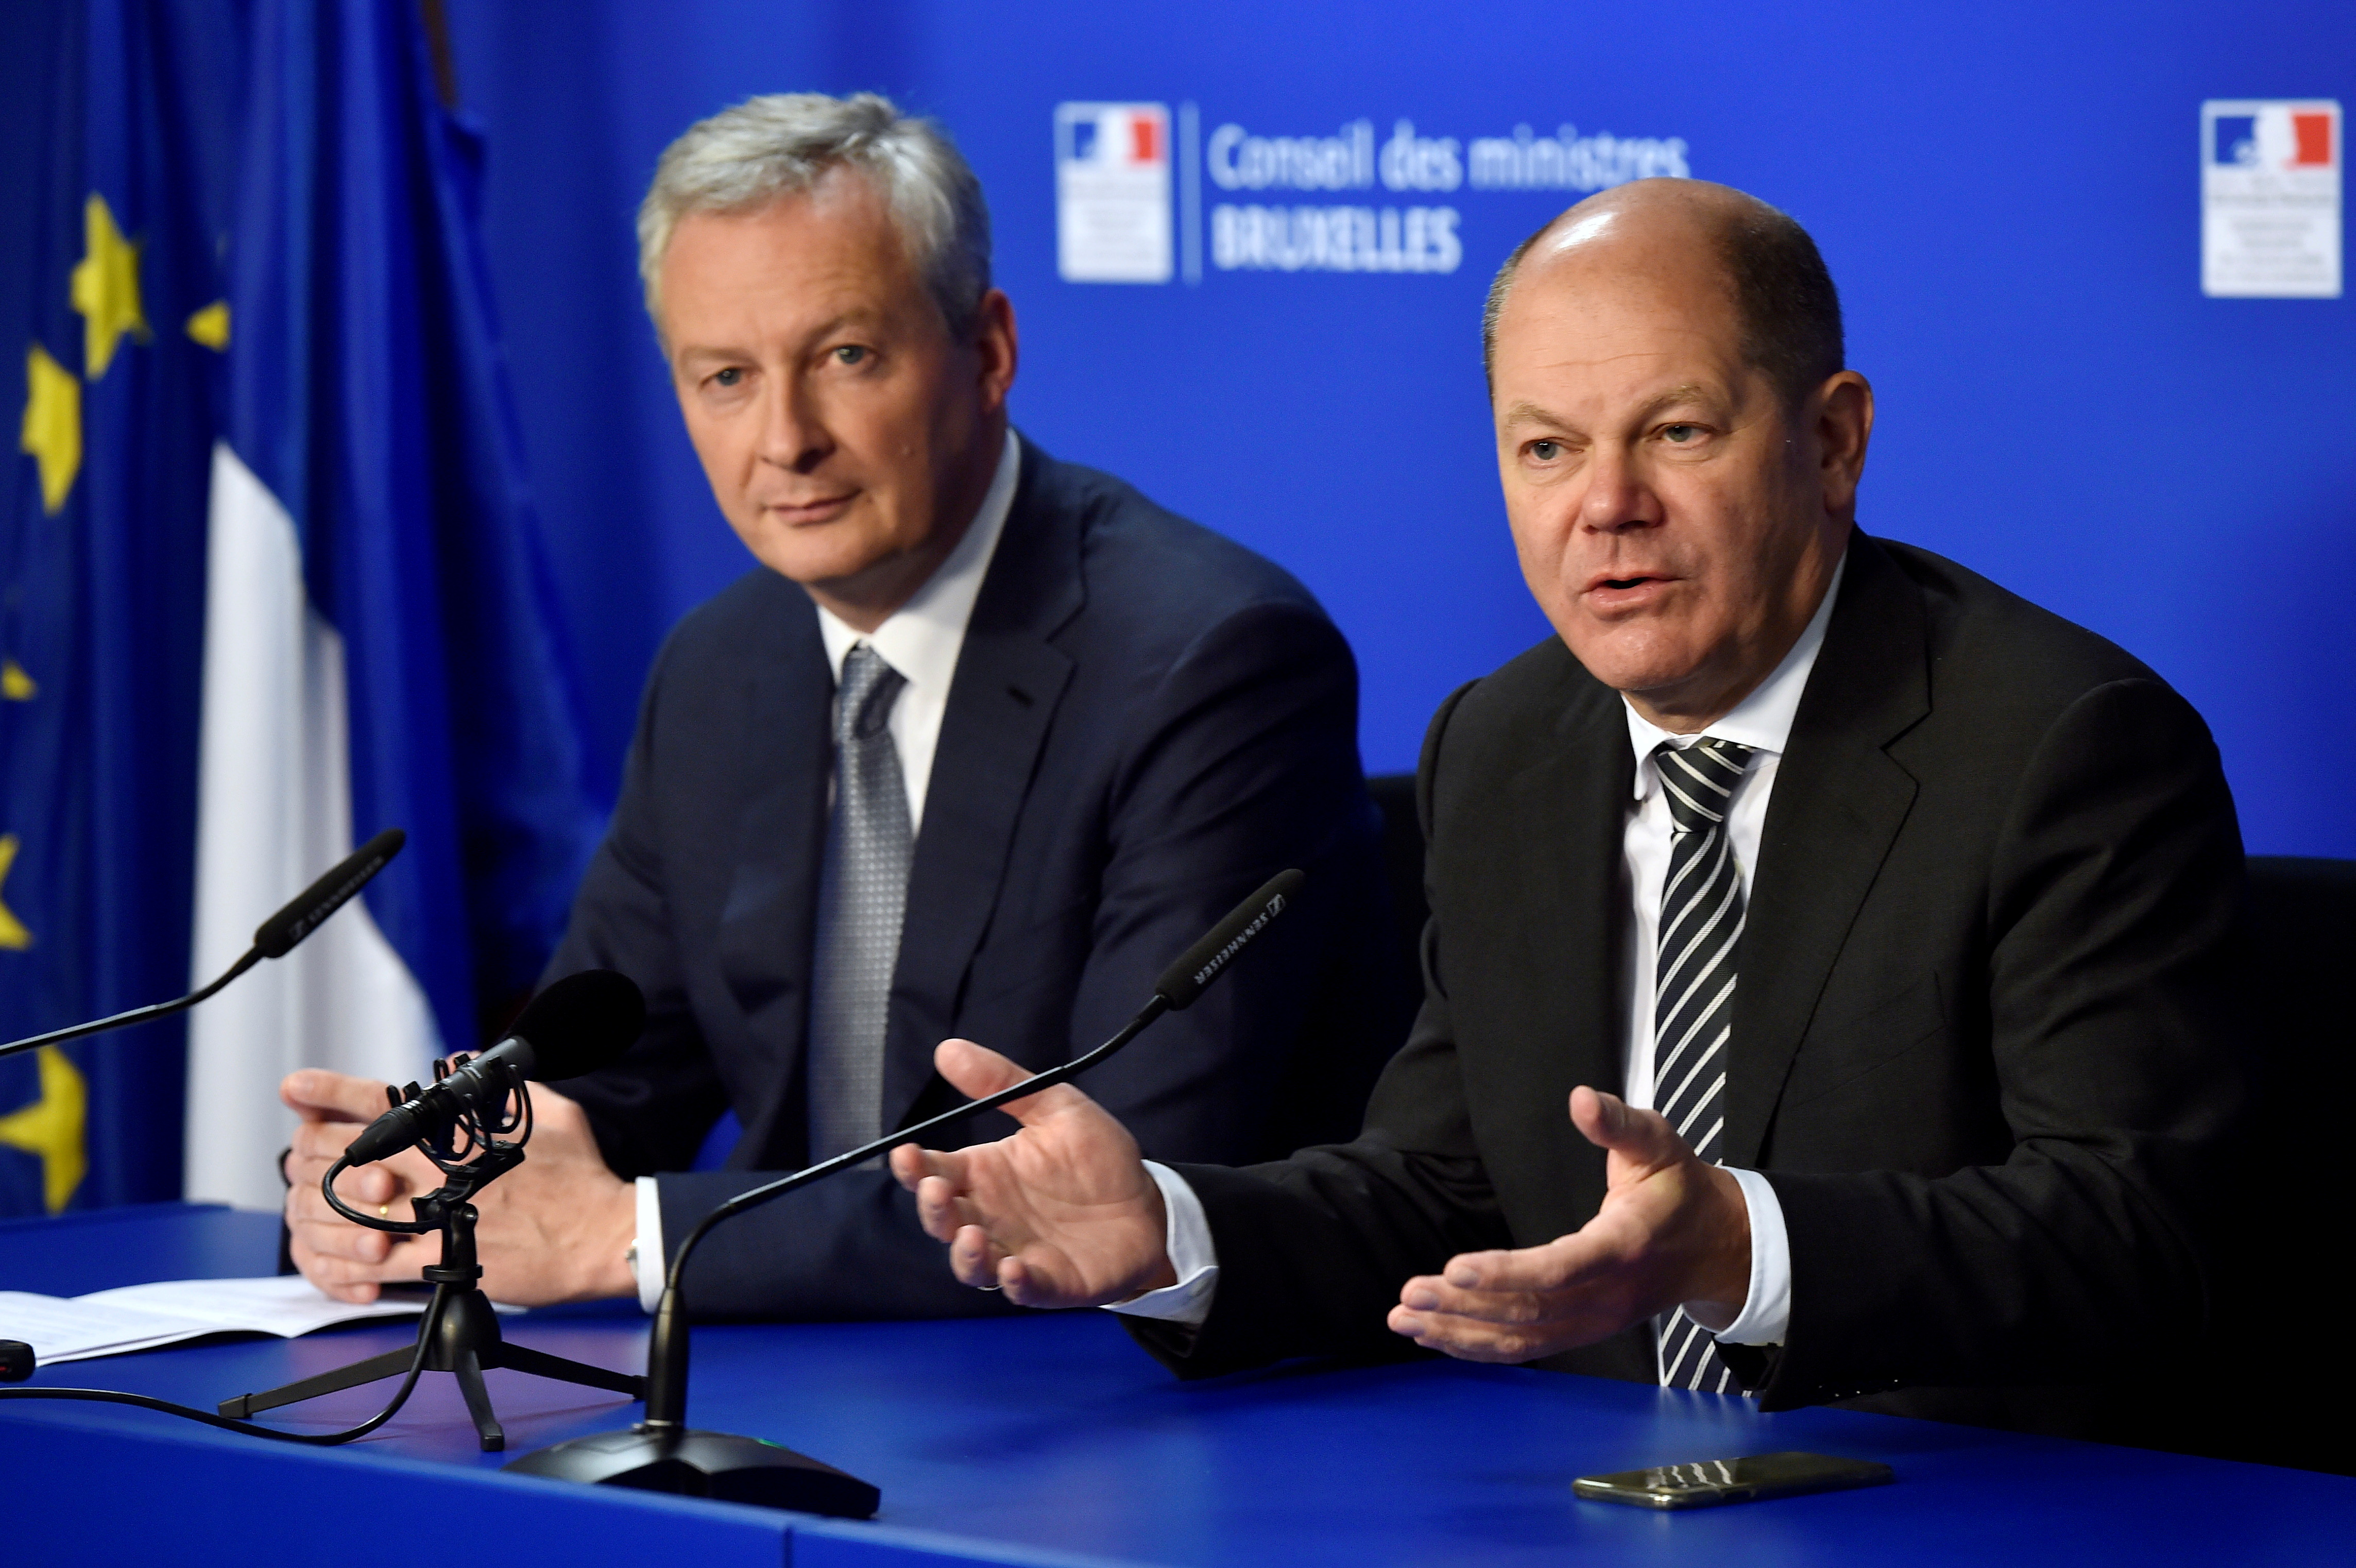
(1112, 192)
(1121, 135)
(2276, 137)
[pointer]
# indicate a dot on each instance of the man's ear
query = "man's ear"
(1844, 407)
(996, 345)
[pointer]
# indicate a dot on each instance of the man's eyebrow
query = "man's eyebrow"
(849, 319)
(1526, 413)
(1692, 392)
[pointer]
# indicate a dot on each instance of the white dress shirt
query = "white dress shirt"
(1761, 721)
(921, 640)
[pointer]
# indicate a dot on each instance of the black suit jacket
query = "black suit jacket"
(1147, 721)
(1979, 1044)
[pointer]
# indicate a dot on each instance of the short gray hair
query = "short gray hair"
(784, 142)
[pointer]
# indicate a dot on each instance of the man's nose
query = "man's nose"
(1617, 498)
(792, 434)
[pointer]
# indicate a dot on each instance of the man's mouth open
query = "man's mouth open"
(1624, 593)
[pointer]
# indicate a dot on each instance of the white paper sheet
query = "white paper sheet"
(139, 1318)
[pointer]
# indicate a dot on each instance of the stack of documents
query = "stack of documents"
(140, 1318)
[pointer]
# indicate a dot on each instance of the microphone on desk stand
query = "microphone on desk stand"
(462, 1123)
(663, 1453)
(274, 938)
(577, 1025)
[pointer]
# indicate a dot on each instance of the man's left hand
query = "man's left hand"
(1672, 1231)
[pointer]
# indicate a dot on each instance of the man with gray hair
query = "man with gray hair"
(986, 741)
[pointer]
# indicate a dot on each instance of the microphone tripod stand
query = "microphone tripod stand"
(459, 1331)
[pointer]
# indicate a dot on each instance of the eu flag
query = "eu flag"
(273, 582)
(101, 586)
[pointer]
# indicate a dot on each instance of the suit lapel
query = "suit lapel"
(766, 924)
(1839, 801)
(1009, 680)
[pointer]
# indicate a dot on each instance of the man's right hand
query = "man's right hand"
(1064, 1213)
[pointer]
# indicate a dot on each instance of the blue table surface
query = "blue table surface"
(1052, 1439)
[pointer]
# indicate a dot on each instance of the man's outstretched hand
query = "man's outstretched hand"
(1672, 1231)
(1064, 1213)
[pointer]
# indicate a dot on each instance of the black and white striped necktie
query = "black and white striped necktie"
(1692, 997)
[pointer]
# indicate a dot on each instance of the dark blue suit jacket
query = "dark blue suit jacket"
(1147, 722)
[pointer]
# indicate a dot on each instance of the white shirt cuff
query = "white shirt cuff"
(1188, 1242)
(651, 1257)
(1766, 1313)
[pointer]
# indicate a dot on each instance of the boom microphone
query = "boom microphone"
(580, 1024)
(275, 938)
(661, 1453)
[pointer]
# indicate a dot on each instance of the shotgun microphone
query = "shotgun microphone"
(275, 938)
(578, 1025)
(661, 1454)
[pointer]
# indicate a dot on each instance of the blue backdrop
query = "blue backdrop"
(2008, 197)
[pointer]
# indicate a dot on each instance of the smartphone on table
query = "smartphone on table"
(1707, 1483)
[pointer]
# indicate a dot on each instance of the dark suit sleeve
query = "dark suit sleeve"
(650, 1109)
(1313, 1249)
(1244, 762)
(2114, 897)
(1240, 760)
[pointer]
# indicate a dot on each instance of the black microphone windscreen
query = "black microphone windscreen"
(276, 936)
(1200, 964)
(580, 1022)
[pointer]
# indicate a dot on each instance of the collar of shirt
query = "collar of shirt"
(1762, 720)
(923, 638)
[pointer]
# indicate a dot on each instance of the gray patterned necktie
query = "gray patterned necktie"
(1693, 999)
(862, 893)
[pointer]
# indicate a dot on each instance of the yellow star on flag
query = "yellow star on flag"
(52, 430)
(52, 1127)
(106, 288)
(14, 937)
(210, 326)
(15, 684)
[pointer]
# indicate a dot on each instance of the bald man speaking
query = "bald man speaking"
(1824, 980)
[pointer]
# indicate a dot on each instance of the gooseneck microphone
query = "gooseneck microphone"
(275, 938)
(661, 1454)
(578, 1025)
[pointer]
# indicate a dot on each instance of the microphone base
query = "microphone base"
(706, 1465)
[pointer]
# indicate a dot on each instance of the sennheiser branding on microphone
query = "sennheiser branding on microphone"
(1219, 959)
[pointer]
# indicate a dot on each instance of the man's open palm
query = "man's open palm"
(1672, 1230)
(1064, 1213)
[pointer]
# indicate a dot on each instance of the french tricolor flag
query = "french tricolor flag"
(1123, 135)
(2277, 137)
(380, 644)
